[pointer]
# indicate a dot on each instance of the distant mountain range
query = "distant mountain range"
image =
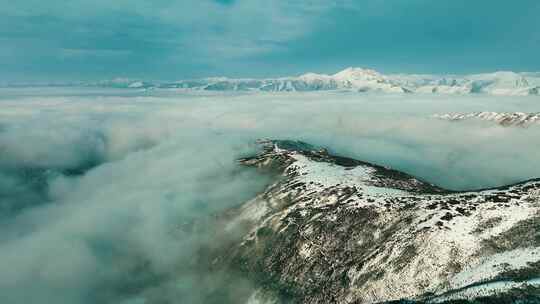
(352, 79)
(358, 80)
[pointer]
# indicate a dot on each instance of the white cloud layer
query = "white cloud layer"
(96, 187)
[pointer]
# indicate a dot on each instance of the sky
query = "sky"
(58, 40)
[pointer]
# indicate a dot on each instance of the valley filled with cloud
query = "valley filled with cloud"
(109, 195)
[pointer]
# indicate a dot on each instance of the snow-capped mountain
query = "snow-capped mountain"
(504, 119)
(363, 80)
(498, 83)
(339, 230)
(354, 79)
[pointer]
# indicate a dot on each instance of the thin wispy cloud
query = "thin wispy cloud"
(184, 39)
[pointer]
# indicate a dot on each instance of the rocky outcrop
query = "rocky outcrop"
(504, 119)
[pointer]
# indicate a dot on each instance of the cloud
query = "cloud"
(169, 39)
(104, 196)
(116, 230)
(209, 30)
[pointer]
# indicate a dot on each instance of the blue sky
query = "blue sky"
(173, 39)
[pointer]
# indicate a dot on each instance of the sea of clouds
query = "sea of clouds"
(97, 186)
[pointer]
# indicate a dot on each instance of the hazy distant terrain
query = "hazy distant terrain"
(504, 83)
(110, 195)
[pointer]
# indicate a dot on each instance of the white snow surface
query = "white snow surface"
(368, 80)
(449, 253)
(504, 118)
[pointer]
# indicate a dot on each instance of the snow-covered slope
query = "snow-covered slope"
(503, 83)
(363, 80)
(498, 83)
(366, 80)
(338, 230)
(354, 79)
(504, 119)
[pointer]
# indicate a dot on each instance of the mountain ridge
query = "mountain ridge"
(352, 79)
(505, 119)
(360, 80)
(339, 230)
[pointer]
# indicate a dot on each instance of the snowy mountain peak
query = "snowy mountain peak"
(358, 79)
(352, 73)
(314, 76)
(416, 241)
